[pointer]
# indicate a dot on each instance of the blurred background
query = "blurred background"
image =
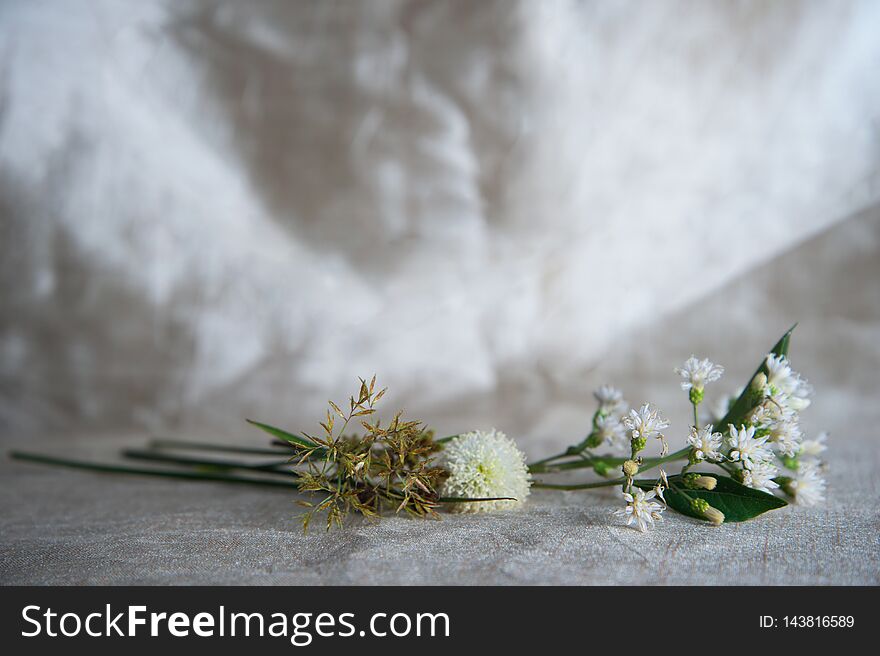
(219, 210)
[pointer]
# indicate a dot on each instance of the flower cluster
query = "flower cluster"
(770, 438)
(753, 437)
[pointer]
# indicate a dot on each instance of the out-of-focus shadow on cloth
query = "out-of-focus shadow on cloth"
(217, 210)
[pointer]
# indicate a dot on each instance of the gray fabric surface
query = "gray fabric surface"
(70, 527)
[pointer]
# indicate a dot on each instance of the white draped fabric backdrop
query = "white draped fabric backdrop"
(215, 210)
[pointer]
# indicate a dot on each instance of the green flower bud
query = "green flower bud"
(699, 505)
(600, 467)
(638, 444)
(696, 396)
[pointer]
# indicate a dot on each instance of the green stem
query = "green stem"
(163, 473)
(186, 445)
(585, 463)
(536, 466)
(269, 467)
(577, 486)
(696, 418)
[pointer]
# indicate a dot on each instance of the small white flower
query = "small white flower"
(641, 509)
(706, 444)
(610, 399)
(808, 486)
(747, 448)
(484, 464)
(779, 374)
(786, 437)
(799, 399)
(696, 373)
(814, 448)
(760, 477)
(774, 408)
(645, 422)
(611, 431)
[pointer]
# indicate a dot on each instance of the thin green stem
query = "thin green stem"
(696, 417)
(186, 445)
(163, 473)
(578, 486)
(535, 466)
(268, 467)
(585, 463)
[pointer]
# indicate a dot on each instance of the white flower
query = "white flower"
(747, 448)
(786, 437)
(610, 399)
(814, 448)
(779, 374)
(773, 408)
(696, 373)
(706, 444)
(760, 477)
(485, 464)
(808, 486)
(611, 431)
(645, 422)
(799, 399)
(641, 509)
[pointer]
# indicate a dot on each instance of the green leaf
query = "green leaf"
(283, 435)
(738, 502)
(741, 407)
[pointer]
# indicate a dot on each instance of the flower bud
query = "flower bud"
(700, 482)
(638, 444)
(714, 516)
(696, 395)
(758, 384)
(710, 514)
(630, 468)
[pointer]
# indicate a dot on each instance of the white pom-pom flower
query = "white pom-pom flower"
(485, 464)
